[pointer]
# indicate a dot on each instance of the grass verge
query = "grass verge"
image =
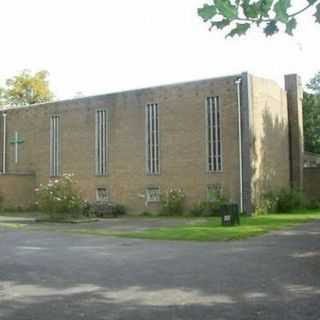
(11, 225)
(19, 213)
(213, 231)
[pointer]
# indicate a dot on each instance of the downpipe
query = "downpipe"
(4, 115)
(238, 82)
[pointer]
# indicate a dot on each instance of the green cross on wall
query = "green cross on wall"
(16, 141)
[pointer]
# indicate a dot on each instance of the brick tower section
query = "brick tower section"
(294, 90)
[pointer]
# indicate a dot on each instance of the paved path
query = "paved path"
(57, 276)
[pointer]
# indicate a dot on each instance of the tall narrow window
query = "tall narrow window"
(55, 146)
(152, 139)
(101, 142)
(214, 143)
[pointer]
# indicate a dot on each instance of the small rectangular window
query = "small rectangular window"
(153, 194)
(152, 139)
(55, 146)
(102, 195)
(215, 192)
(101, 142)
(214, 141)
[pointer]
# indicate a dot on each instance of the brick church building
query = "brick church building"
(239, 134)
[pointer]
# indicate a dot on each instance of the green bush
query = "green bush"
(19, 209)
(208, 208)
(100, 209)
(290, 200)
(147, 214)
(197, 210)
(60, 199)
(313, 204)
(285, 200)
(119, 210)
(172, 202)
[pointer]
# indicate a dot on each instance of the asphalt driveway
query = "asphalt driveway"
(57, 276)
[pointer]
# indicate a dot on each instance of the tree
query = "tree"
(311, 122)
(238, 16)
(314, 84)
(2, 97)
(311, 115)
(26, 89)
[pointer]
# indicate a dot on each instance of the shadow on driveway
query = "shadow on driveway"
(57, 276)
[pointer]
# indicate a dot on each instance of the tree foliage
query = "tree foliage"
(2, 97)
(314, 84)
(311, 115)
(26, 89)
(238, 16)
(311, 122)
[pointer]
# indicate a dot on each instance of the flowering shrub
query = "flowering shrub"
(172, 202)
(59, 198)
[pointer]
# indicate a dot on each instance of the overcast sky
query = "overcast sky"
(101, 46)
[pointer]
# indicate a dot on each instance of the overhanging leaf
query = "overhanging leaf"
(239, 30)
(281, 10)
(265, 6)
(207, 12)
(271, 28)
(317, 14)
(291, 25)
(220, 24)
(250, 10)
(226, 8)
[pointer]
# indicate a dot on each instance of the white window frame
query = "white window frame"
(214, 141)
(98, 196)
(152, 139)
(147, 194)
(55, 145)
(102, 141)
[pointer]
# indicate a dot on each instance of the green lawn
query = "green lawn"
(19, 213)
(213, 231)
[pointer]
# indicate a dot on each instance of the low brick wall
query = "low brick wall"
(311, 183)
(17, 190)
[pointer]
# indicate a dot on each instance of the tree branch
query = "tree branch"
(259, 20)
